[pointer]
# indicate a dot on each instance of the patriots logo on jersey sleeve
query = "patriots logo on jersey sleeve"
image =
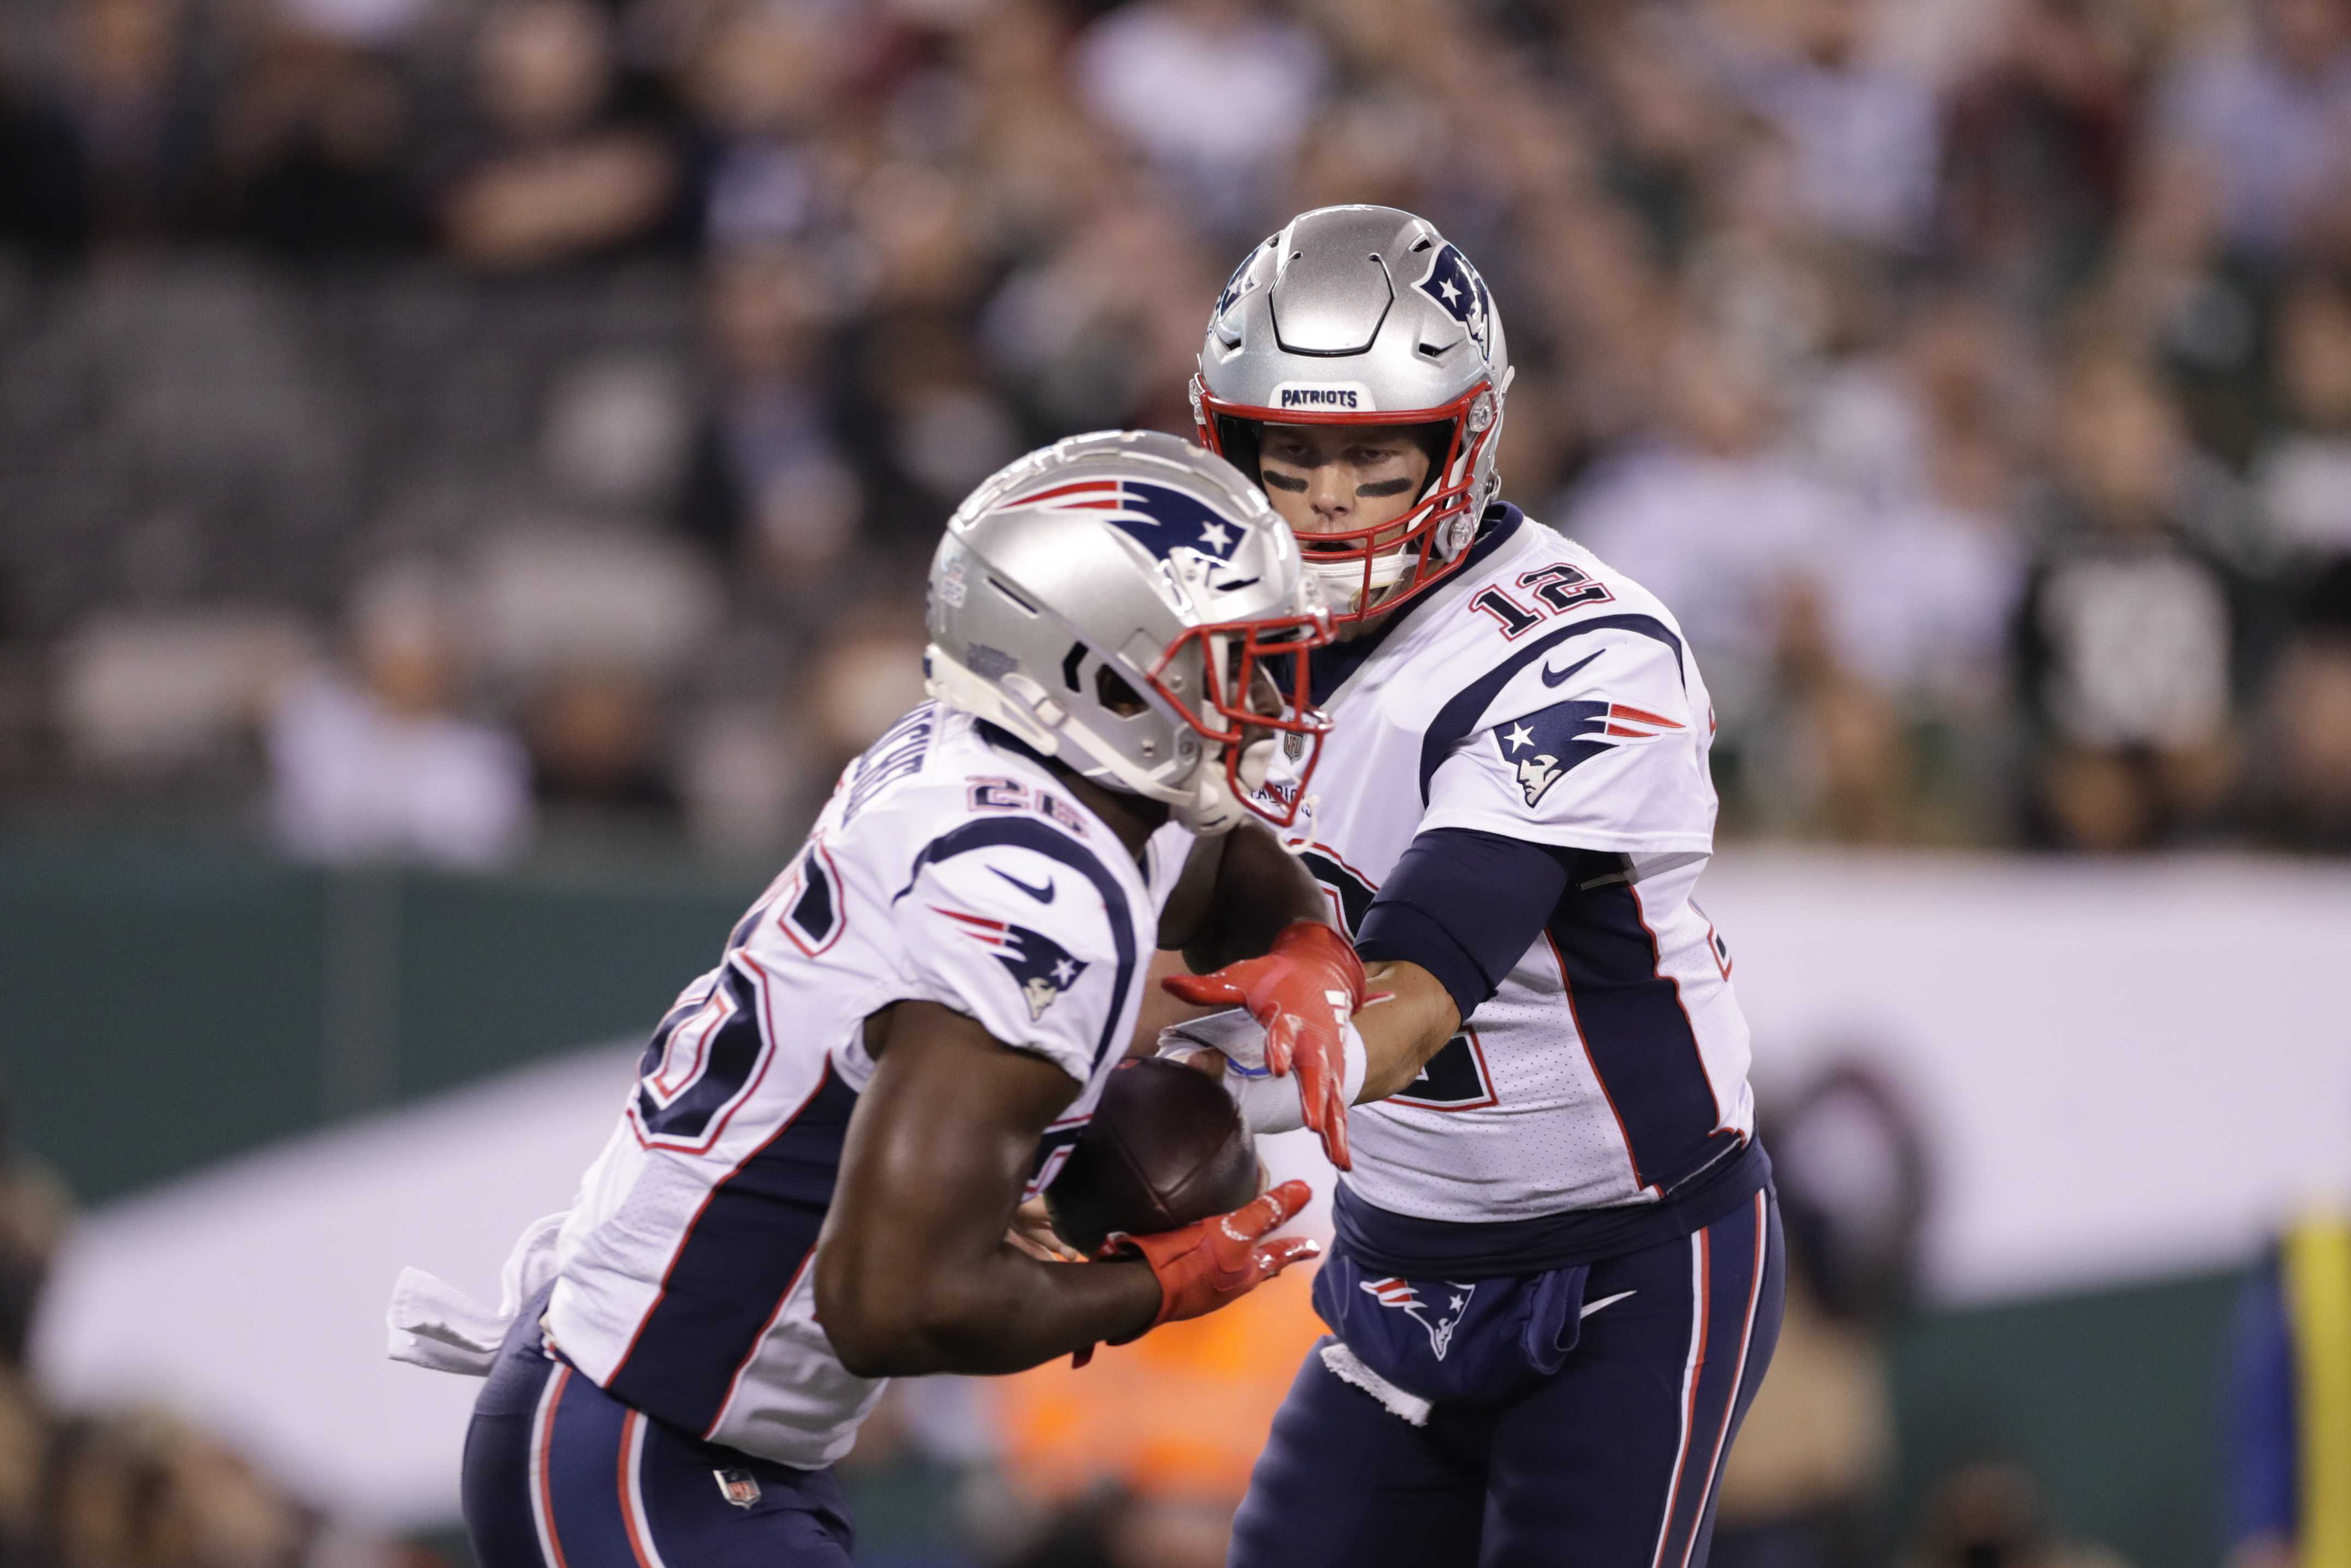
(1162, 519)
(1455, 284)
(1544, 746)
(1398, 1295)
(1041, 966)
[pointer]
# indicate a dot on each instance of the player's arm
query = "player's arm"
(1561, 789)
(1414, 1018)
(1459, 910)
(1409, 1018)
(913, 1272)
(1262, 939)
(1237, 893)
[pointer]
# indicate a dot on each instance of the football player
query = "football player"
(810, 1188)
(1555, 1280)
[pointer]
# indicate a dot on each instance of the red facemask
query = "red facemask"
(1259, 685)
(1445, 506)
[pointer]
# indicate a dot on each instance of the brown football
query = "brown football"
(1165, 1147)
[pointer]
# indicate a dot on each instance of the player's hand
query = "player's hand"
(1303, 992)
(1214, 1262)
(1032, 1233)
(1207, 1060)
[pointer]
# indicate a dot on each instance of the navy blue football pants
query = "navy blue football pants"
(559, 1474)
(1609, 1463)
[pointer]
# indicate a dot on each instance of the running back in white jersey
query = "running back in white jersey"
(946, 868)
(1541, 697)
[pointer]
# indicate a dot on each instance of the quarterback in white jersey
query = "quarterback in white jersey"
(810, 1183)
(1539, 698)
(1555, 1282)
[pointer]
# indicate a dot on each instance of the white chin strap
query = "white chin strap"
(1342, 583)
(1213, 808)
(1257, 761)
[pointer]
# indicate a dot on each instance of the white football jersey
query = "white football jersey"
(1540, 697)
(946, 868)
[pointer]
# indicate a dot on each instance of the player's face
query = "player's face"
(1337, 478)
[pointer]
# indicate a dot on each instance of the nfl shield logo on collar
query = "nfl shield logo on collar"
(740, 1488)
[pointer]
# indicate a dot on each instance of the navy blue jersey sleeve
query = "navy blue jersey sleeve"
(1466, 905)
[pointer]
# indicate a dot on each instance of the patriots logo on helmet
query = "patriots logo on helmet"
(1041, 966)
(1163, 519)
(1400, 1296)
(1238, 286)
(1455, 284)
(1544, 746)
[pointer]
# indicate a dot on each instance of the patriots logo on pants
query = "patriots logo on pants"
(1399, 1295)
(1043, 967)
(1454, 283)
(1543, 747)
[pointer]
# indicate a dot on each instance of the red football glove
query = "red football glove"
(1214, 1262)
(1301, 991)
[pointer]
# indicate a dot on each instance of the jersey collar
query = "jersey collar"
(1330, 666)
(1003, 740)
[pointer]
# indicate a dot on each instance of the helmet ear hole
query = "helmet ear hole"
(1436, 440)
(1241, 440)
(1112, 691)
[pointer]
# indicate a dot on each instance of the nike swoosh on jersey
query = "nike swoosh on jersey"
(1592, 1307)
(1041, 895)
(1552, 678)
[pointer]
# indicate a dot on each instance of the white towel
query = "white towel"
(435, 1324)
(1348, 1367)
(1233, 1031)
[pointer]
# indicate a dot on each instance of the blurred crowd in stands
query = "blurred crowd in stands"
(459, 421)
(134, 1487)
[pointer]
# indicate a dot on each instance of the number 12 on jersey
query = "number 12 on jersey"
(1556, 589)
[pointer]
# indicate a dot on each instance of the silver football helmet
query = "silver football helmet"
(1130, 605)
(1363, 316)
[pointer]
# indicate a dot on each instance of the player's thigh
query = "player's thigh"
(582, 1480)
(494, 1493)
(496, 1488)
(707, 1507)
(1342, 1480)
(1613, 1463)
